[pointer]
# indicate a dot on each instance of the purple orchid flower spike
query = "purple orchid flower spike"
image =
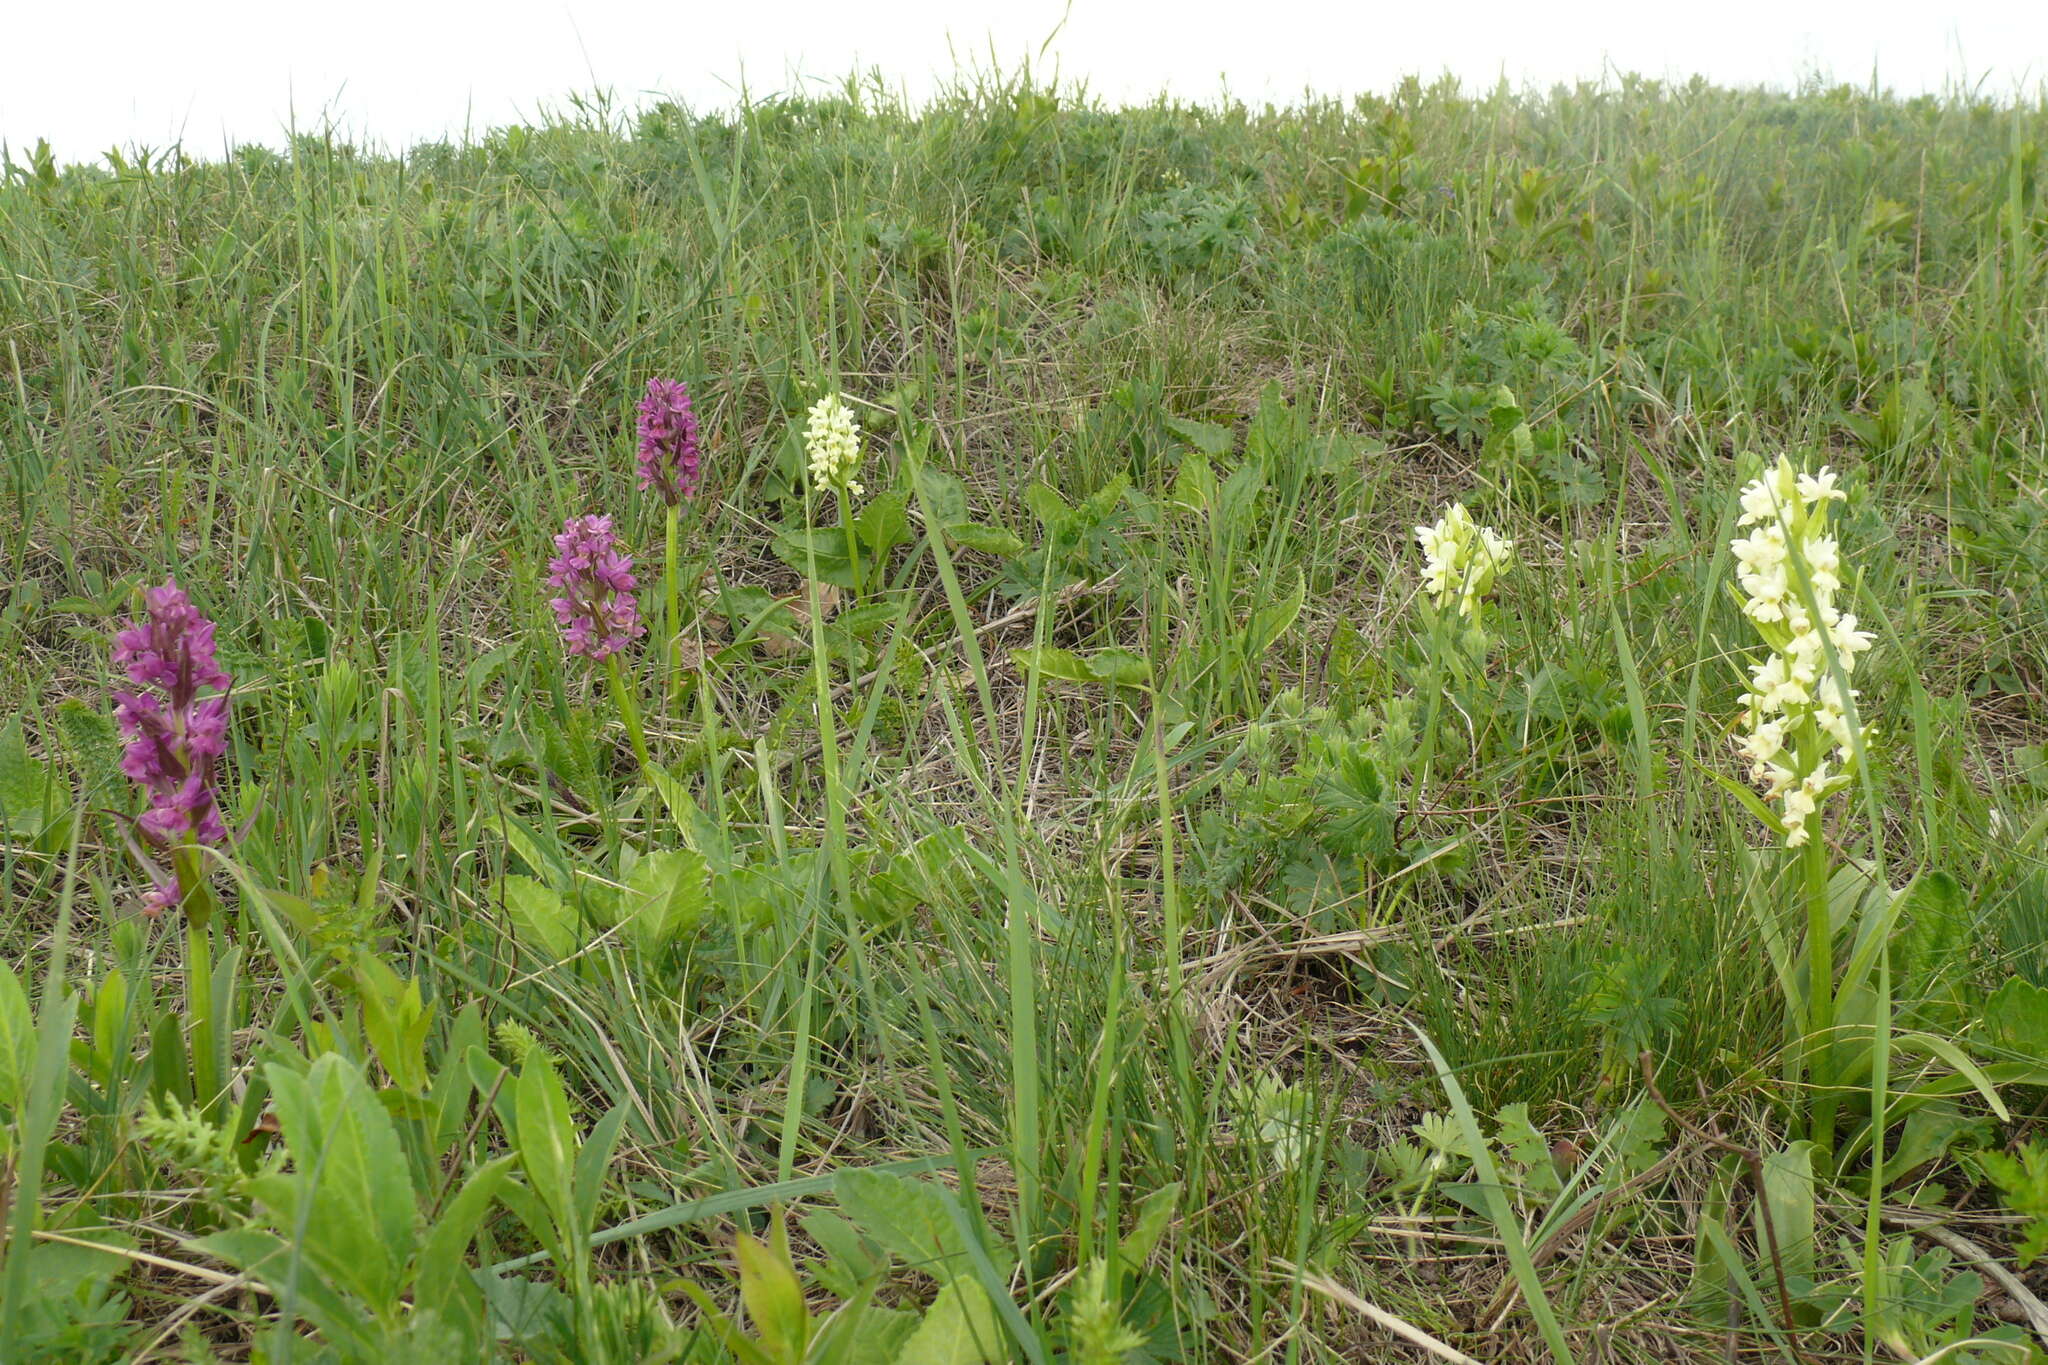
(669, 461)
(597, 610)
(175, 735)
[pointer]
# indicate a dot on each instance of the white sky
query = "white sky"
(89, 74)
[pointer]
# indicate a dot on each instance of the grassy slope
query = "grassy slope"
(346, 397)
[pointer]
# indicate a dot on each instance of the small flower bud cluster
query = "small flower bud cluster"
(668, 442)
(597, 611)
(832, 441)
(1462, 558)
(1795, 716)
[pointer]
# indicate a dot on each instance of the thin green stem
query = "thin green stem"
(671, 618)
(1820, 985)
(629, 710)
(852, 538)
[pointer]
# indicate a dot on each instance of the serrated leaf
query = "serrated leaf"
(875, 1334)
(1520, 1140)
(541, 919)
(2023, 1181)
(943, 497)
(1048, 506)
(93, 738)
(883, 523)
(849, 1260)
(348, 1181)
(908, 1218)
(1209, 438)
(1638, 1137)
(666, 896)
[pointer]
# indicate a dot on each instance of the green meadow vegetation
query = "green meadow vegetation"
(1059, 869)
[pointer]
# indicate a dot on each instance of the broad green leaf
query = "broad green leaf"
(1062, 664)
(349, 1186)
(1209, 438)
(861, 1331)
(1155, 1215)
(827, 549)
(547, 1139)
(883, 523)
(1942, 1050)
(396, 1021)
(943, 496)
(1237, 499)
(666, 896)
(24, 783)
(1271, 622)
(1789, 1196)
(2016, 1017)
(960, 1329)
(111, 1024)
(849, 1260)
(268, 1258)
(593, 1158)
(521, 1309)
(541, 920)
(989, 540)
(17, 1041)
(62, 1270)
(1194, 486)
(1123, 667)
(442, 1282)
(908, 1218)
(1929, 1134)
(540, 854)
(774, 1299)
(1048, 506)
(1337, 453)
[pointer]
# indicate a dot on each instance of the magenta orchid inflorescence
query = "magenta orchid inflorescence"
(668, 441)
(175, 735)
(597, 611)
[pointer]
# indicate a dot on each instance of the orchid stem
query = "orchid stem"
(629, 709)
(1820, 987)
(671, 620)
